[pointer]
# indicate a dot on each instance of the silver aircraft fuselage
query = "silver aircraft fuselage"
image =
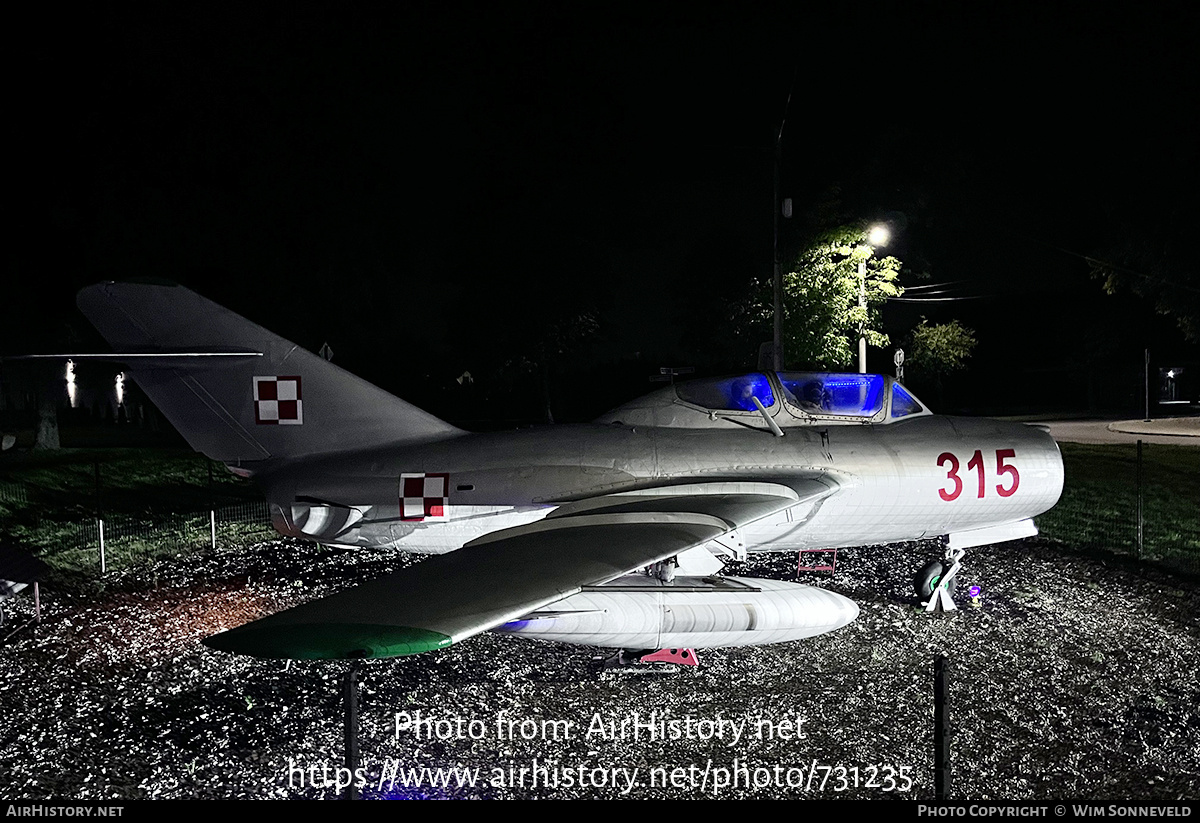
(922, 477)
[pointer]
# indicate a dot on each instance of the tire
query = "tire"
(927, 579)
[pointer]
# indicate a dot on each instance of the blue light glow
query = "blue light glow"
(728, 393)
(851, 395)
(903, 403)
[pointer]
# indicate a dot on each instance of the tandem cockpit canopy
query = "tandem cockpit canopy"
(787, 398)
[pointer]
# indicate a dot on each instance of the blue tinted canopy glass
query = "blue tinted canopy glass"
(728, 393)
(848, 395)
(903, 403)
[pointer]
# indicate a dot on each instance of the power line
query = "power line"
(1092, 261)
(937, 299)
(935, 285)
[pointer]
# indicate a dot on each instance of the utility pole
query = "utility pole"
(777, 281)
(785, 208)
(877, 236)
(862, 304)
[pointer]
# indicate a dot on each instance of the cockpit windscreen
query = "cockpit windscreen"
(728, 393)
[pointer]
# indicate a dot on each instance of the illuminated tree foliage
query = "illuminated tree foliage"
(936, 351)
(822, 318)
(941, 349)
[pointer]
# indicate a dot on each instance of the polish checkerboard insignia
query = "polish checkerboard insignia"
(424, 496)
(277, 401)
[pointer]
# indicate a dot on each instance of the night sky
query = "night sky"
(433, 188)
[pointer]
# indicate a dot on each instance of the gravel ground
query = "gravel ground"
(1074, 677)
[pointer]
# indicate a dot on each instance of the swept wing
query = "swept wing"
(508, 574)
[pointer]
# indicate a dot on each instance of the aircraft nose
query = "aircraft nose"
(1044, 467)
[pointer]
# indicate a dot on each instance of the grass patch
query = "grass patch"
(154, 503)
(130, 480)
(1098, 508)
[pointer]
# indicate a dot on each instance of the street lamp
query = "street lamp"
(877, 236)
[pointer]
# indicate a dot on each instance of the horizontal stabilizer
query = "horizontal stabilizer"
(155, 360)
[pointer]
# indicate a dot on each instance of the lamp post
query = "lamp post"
(878, 236)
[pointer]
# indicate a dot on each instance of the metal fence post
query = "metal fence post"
(212, 507)
(1140, 507)
(941, 727)
(100, 519)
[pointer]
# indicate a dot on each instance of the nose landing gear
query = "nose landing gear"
(936, 582)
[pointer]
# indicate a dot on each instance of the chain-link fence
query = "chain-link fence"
(120, 539)
(1140, 499)
(111, 512)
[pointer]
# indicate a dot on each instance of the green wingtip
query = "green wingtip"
(328, 641)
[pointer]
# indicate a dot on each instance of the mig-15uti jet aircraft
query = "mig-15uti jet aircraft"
(609, 534)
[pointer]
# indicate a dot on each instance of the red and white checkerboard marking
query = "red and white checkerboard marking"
(277, 401)
(424, 496)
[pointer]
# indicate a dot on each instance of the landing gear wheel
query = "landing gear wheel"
(928, 577)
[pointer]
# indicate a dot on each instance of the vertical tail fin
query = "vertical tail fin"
(237, 392)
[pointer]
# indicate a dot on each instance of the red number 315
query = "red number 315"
(976, 464)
